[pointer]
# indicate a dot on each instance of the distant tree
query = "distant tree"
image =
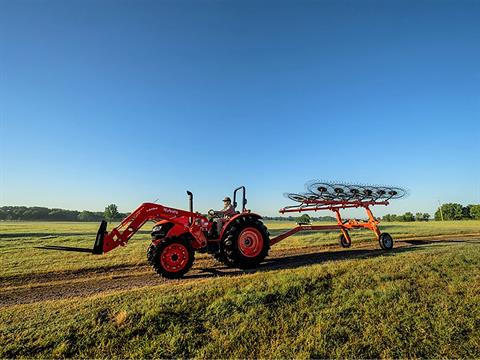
(18, 212)
(304, 219)
(451, 211)
(466, 212)
(408, 216)
(422, 216)
(390, 217)
(111, 212)
(475, 212)
(88, 216)
(62, 215)
(36, 213)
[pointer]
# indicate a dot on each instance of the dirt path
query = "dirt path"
(53, 286)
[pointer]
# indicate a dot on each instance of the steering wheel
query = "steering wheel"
(211, 212)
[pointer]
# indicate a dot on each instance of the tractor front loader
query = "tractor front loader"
(243, 240)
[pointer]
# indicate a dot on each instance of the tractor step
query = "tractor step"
(98, 246)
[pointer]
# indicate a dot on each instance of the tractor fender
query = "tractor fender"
(177, 228)
(230, 221)
(196, 237)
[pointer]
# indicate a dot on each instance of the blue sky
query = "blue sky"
(133, 101)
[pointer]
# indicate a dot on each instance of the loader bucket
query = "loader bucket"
(98, 246)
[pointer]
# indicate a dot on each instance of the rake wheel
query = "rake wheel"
(386, 241)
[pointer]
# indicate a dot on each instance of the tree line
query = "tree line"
(450, 211)
(408, 216)
(454, 211)
(38, 213)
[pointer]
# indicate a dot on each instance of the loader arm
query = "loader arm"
(119, 236)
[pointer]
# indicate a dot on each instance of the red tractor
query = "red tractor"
(243, 240)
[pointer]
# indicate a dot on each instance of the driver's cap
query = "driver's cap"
(227, 199)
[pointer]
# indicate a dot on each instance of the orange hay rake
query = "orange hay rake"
(335, 197)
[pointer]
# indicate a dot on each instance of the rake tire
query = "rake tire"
(344, 242)
(386, 241)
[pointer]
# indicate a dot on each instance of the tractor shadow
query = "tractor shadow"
(418, 242)
(296, 261)
(300, 260)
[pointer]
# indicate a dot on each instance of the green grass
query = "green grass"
(421, 303)
(20, 256)
(20, 253)
(413, 302)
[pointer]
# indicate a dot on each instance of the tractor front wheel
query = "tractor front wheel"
(171, 257)
(246, 243)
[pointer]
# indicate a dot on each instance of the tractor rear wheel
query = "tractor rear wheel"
(171, 257)
(246, 243)
(222, 258)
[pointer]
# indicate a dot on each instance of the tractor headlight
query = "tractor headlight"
(157, 228)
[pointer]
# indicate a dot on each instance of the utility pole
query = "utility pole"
(440, 208)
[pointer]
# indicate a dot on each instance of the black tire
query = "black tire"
(246, 243)
(345, 242)
(222, 258)
(171, 257)
(386, 241)
(150, 253)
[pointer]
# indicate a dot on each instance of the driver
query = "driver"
(221, 215)
(227, 210)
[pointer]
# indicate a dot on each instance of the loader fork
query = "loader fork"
(98, 245)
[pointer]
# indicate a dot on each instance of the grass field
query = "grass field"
(420, 300)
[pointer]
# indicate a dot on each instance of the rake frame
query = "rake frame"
(335, 206)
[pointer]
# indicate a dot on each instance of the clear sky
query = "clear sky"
(133, 101)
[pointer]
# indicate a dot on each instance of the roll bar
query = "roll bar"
(244, 199)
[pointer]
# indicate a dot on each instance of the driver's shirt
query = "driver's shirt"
(228, 210)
